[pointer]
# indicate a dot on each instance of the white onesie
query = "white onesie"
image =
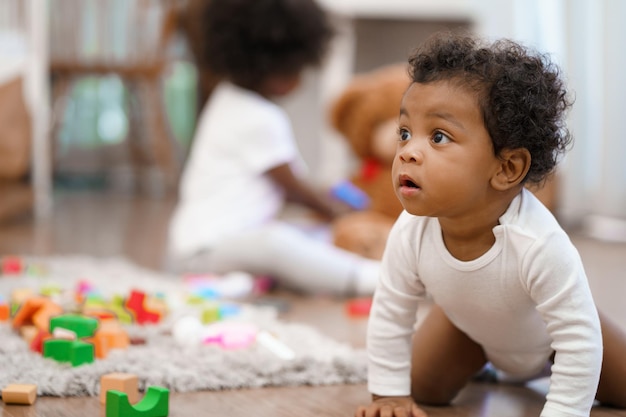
(526, 297)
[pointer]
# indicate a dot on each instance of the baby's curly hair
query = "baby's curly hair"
(520, 92)
(248, 40)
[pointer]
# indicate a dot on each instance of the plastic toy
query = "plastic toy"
(359, 307)
(12, 265)
(230, 335)
(275, 346)
(350, 194)
(154, 404)
(136, 303)
(4, 311)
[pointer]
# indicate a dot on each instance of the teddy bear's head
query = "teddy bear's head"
(367, 110)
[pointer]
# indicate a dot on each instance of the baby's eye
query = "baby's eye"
(404, 134)
(440, 138)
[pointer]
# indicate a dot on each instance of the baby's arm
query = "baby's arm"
(301, 192)
(558, 284)
(391, 325)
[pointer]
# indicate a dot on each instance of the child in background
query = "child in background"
(507, 285)
(244, 162)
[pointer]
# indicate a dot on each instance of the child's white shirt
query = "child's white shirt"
(525, 298)
(224, 189)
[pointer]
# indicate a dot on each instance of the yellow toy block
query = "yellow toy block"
(126, 383)
(19, 394)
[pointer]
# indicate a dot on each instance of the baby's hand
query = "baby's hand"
(390, 407)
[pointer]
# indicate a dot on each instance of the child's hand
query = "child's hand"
(390, 407)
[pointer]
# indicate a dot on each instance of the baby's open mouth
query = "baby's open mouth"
(407, 182)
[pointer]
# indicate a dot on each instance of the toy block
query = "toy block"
(359, 307)
(136, 304)
(20, 295)
(50, 290)
(74, 351)
(61, 333)
(29, 307)
(110, 335)
(36, 344)
(154, 404)
(83, 326)
(28, 333)
(35, 270)
(117, 307)
(41, 318)
(210, 314)
(156, 304)
(19, 394)
(126, 383)
(12, 265)
(99, 314)
(350, 194)
(5, 311)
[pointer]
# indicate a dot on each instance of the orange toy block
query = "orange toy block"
(110, 335)
(5, 311)
(19, 394)
(41, 318)
(29, 307)
(126, 383)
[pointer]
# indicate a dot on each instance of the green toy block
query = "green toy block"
(154, 404)
(58, 349)
(82, 352)
(73, 351)
(83, 326)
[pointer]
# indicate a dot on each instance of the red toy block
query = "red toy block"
(136, 304)
(12, 265)
(36, 344)
(359, 307)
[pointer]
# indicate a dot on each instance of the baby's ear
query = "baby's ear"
(514, 165)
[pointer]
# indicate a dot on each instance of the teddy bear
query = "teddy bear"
(365, 114)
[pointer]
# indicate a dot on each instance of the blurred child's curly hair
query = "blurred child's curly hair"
(248, 40)
(520, 92)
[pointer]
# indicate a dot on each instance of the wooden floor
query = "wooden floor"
(117, 224)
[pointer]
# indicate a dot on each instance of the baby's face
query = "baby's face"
(444, 157)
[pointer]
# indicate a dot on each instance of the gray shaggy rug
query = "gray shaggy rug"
(161, 361)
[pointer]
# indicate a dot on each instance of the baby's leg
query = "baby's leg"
(444, 360)
(612, 391)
